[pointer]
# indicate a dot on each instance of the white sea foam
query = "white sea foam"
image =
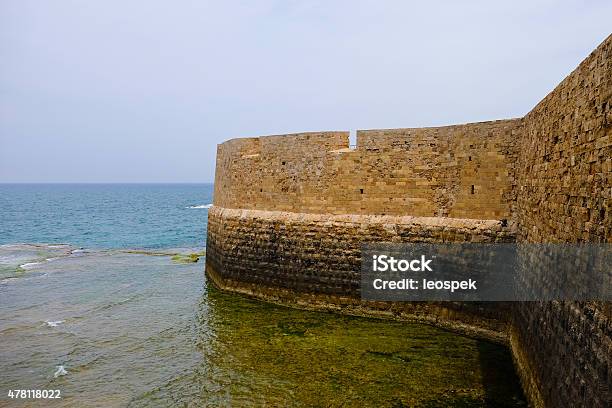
(54, 323)
(29, 265)
(61, 370)
(200, 206)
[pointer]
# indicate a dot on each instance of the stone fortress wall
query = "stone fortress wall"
(290, 214)
(463, 171)
(564, 178)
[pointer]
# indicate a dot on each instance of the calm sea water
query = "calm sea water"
(93, 304)
(105, 215)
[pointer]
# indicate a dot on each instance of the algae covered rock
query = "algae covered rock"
(187, 258)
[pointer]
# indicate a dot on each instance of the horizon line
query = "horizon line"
(106, 182)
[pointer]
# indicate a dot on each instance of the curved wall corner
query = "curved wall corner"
(313, 261)
(290, 213)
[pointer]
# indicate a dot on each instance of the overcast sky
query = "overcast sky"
(142, 91)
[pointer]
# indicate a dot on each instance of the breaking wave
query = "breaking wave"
(61, 370)
(199, 206)
(28, 265)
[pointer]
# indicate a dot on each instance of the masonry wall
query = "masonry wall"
(565, 184)
(290, 213)
(315, 260)
(463, 171)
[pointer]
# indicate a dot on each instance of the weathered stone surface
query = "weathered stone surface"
(462, 171)
(564, 177)
(290, 214)
(314, 260)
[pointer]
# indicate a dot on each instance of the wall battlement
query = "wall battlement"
(461, 171)
(291, 211)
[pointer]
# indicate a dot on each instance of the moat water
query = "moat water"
(92, 304)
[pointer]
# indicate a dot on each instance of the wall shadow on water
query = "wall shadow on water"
(499, 379)
(257, 354)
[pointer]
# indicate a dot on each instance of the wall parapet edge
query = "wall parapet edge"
(457, 171)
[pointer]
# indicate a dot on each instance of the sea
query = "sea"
(100, 307)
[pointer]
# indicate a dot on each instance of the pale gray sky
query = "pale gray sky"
(142, 91)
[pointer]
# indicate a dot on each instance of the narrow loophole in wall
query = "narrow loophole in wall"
(361, 191)
(472, 190)
(469, 158)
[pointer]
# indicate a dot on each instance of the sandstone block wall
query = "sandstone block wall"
(287, 256)
(290, 213)
(463, 171)
(565, 161)
(318, 253)
(565, 185)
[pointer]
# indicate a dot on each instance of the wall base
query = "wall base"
(459, 318)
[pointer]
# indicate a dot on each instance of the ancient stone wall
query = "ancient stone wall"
(463, 171)
(565, 161)
(315, 260)
(565, 177)
(290, 213)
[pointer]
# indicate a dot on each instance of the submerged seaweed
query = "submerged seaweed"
(187, 258)
(279, 356)
(178, 257)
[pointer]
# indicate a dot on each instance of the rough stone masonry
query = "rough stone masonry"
(290, 214)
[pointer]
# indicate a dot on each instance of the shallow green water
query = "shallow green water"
(280, 355)
(144, 331)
